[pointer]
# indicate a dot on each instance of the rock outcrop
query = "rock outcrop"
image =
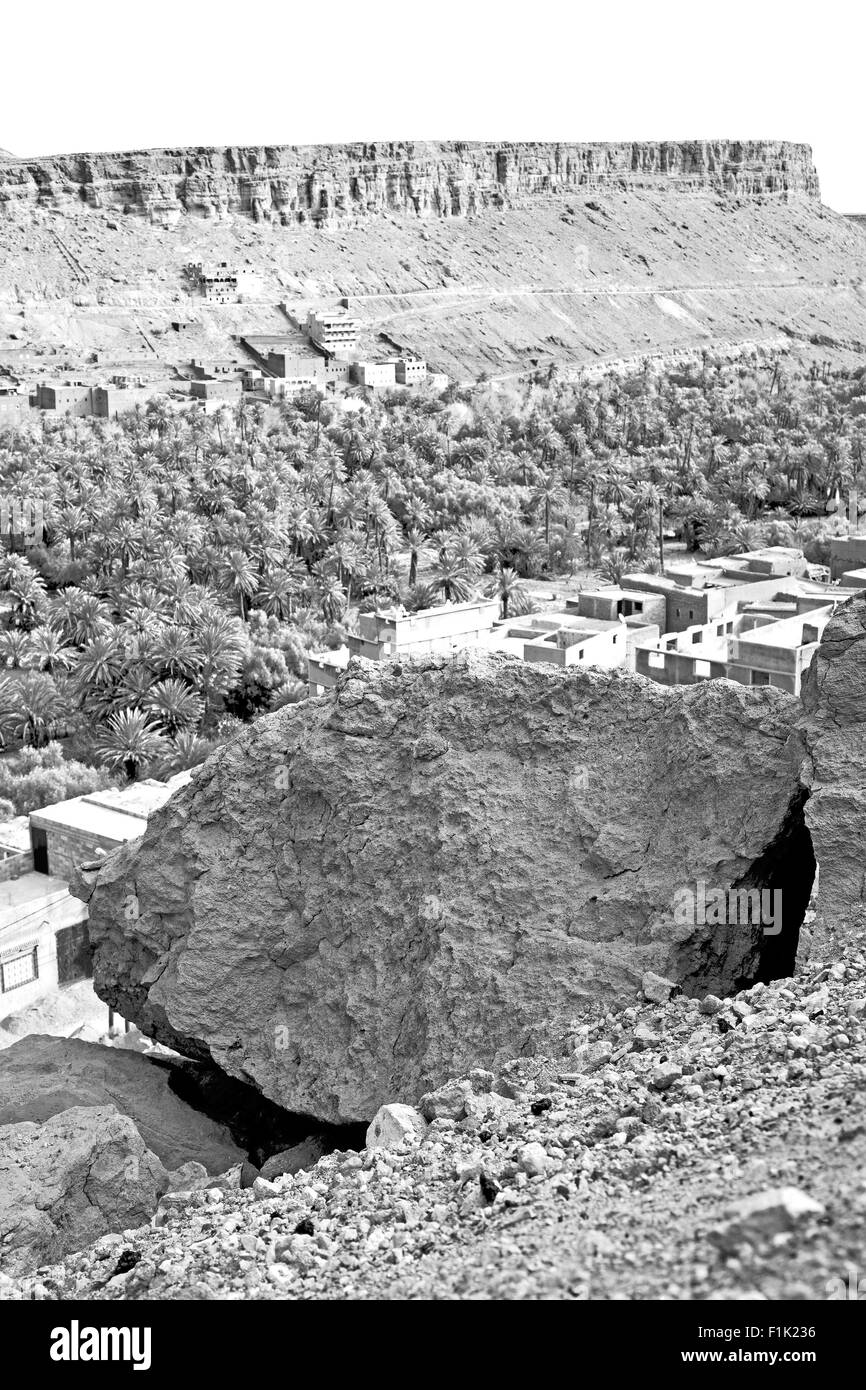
(834, 726)
(323, 183)
(65, 1183)
(442, 867)
(42, 1076)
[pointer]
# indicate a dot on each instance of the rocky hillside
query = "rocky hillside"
(442, 179)
(683, 1149)
(496, 258)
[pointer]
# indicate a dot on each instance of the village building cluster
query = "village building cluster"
(755, 618)
(319, 349)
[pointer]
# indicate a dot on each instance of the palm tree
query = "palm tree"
(129, 742)
(29, 595)
(14, 648)
(187, 750)
(333, 599)
(451, 576)
(550, 494)
(222, 645)
(419, 550)
(47, 651)
(507, 585)
(175, 706)
(240, 578)
(31, 708)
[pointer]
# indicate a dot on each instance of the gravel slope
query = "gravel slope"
(605, 1174)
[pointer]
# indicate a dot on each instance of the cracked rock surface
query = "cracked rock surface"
(442, 868)
(66, 1182)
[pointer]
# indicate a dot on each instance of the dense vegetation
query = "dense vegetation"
(188, 562)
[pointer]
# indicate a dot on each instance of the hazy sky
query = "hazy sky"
(108, 76)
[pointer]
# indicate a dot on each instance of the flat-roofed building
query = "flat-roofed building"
(334, 332)
(324, 669)
(410, 371)
(442, 629)
(847, 553)
(111, 401)
(13, 408)
(217, 389)
(87, 827)
(292, 365)
(376, 375)
(66, 397)
(613, 602)
(753, 648)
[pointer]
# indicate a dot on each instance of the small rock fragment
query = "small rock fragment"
(657, 989)
(392, 1124)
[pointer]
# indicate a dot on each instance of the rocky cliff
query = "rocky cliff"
(446, 866)
(318, 183)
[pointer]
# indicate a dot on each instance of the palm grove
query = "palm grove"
(188, 562)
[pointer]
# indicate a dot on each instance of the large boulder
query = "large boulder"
(65, 1183)
(441, 867)
(834, 727)
(41, 1076)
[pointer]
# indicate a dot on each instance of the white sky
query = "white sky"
(94, 75)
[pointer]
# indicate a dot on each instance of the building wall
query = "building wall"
(109, 401)
(14, 865)
(607, 607)
(224, 389)
(286, 364)
(377, 375)
(40, 927)
(332, 332)
(67, 848)
(607, 649)
(13, 410)
(675, 668)
(410, 371)
(847, 553)
(281, 387)
(72, 400)
(687, 607)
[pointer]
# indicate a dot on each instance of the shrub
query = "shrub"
(37, 777)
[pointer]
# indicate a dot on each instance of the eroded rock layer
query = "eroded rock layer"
(442, 179)
(443, 866)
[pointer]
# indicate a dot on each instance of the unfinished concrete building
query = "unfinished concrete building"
(565, 637)
(335, 333)
(753, 647)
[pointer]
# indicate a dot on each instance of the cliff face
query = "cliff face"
(290, 184)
